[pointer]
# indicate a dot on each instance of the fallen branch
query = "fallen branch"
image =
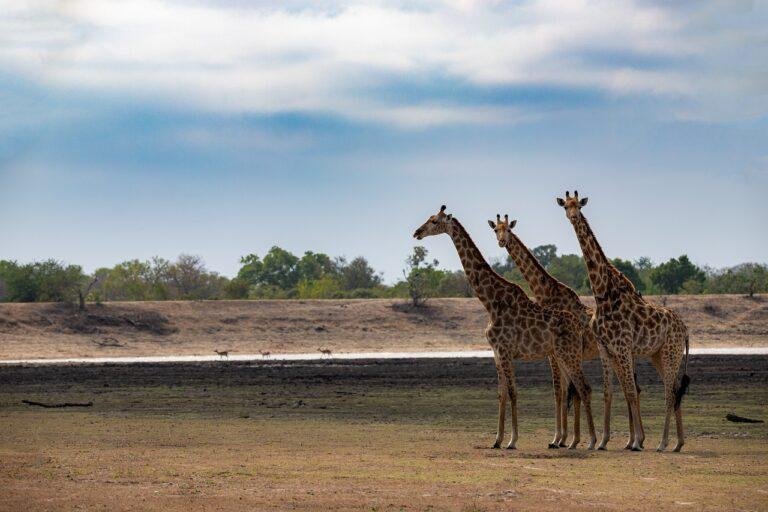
(740, 419)
(55, 406)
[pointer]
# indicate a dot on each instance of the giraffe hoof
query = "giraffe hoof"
(678, 448)
(562, 444)
(636, 449)
(511, 446)
(573, 446)
(553, 446)
(602, 448)
(496, 445)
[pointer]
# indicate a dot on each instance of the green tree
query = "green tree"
(19, 282)
(314, 266)
(421, 276)
(670, 276)
(323, 288)
(545, 254)
(358, 274)
(628, 269)
(454, 284)
(570, 269)
(746, 278)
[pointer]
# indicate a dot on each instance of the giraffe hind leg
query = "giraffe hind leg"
(607, 399)
(557, 386)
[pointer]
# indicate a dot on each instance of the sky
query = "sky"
(222, 128)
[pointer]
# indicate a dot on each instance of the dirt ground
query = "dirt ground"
(384, 435)
(247, 327)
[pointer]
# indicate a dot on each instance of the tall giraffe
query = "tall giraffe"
(628, 326)
(549, 292)
(518, 328)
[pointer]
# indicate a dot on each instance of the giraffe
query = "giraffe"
(628, 326)
(518, 328)
(549, 292)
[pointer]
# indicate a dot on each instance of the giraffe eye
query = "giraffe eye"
(434, 221)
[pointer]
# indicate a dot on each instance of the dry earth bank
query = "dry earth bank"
(246, 327)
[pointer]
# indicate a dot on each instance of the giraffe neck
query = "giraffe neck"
(537, 278)
(484, 281)
(599, 268)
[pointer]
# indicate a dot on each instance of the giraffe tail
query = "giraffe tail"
(685, 381)
(569, 395)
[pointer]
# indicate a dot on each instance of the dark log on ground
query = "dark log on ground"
(56, 406)
(740, 419)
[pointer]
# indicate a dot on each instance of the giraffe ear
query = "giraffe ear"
(449, 216)
(512, 224)
(583, 201)
(560, 202)
(490, 223)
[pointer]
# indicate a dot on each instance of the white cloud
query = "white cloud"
(325, 59)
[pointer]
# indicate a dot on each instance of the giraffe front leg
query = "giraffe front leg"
(509, 375)
(502, 396)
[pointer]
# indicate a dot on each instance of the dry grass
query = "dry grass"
(306, 443)
(187, 328)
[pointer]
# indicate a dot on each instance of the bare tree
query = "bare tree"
(82, 293)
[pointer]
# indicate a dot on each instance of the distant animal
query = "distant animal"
(223, 354)
(266, 354)
(324, 351)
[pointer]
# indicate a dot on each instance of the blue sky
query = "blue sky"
(133, 129)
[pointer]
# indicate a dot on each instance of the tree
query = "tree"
(251, 270)
(419, 275)
(545, 254)
(314, 266)
(280, 269)
(454, 284)
(570, 269)
(191, 280)
(276, 270)
(628, 269)
(747, 278)
(670, 276)
(358, 274)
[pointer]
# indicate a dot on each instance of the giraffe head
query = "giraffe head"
(436, 225)
(502, 228)
(572, 205)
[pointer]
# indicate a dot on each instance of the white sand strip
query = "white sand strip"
(757, 351)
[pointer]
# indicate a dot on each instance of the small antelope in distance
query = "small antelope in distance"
(324, 351)
(266, 354)
(223, 353)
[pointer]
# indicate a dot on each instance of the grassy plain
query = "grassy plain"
(390, 436)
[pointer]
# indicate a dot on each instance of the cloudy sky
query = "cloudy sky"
(132, 129)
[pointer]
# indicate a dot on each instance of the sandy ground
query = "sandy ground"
(377, 435)
(248, 327)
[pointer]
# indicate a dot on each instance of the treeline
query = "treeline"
(279, 274)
